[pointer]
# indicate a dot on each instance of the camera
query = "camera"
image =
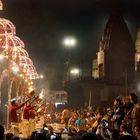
(106, 124)
(65, 129)
(45, 128)
(53, 137)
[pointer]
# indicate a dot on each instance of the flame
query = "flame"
(41, 94)
(39, 110)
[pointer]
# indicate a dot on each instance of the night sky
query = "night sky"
(42, 24)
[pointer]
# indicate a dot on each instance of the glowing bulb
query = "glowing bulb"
(21, 75)
(74, 71)
(1, 57)
(41, 95)
(41, 76)
(69, 42)
(15, 69)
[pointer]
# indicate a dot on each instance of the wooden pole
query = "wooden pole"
(89, 103)
(10, 83)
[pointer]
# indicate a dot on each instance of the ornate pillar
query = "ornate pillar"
(17, 90)
(10, 83)
(2, 75)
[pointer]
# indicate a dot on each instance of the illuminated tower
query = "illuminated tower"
(116, 55)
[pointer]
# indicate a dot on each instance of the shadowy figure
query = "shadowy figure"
(1, 132)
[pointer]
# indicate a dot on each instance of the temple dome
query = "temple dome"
(7, 27)
(11, 41)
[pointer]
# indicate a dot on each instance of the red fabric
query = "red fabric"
(41, 112)
(32, 114)
(26, 112)
(13, 114)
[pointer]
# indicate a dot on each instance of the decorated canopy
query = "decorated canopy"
(14, 48)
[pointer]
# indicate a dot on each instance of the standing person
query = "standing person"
(25, 121)
(118, 116)
(13, 118)
(32, 123)
(135, 115)
(128, 110)
(66, 116)
(83, 123)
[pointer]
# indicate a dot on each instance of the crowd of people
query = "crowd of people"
(121, 121)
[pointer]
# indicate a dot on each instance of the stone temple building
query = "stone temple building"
(113, 70)
(115, 61)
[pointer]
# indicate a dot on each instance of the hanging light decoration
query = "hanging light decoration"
(6, 27)
(14, 48)
(20, 67)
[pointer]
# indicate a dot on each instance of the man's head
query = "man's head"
(28, 104)
(13, 102)
(32, 93)
(133, 98)
(117, 101)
